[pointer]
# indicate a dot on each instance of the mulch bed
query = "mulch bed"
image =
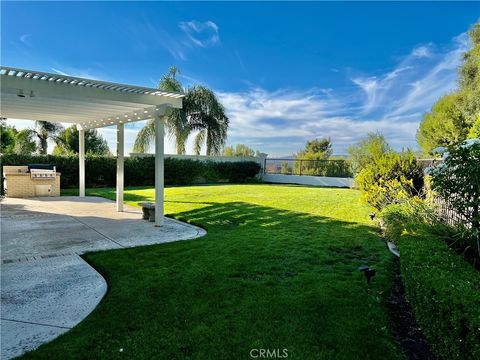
(403, 325)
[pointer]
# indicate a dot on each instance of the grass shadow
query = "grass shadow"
(262, 277)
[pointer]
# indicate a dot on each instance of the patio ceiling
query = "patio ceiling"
(34, 95)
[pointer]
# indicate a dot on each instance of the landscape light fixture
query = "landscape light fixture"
(369, 273)
(20, 93)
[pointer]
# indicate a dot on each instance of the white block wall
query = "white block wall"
(271, 178)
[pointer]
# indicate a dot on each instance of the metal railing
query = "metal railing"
(426, 163)
(327, 168)
(445, 209)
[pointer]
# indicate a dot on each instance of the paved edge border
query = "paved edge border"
(200, 232)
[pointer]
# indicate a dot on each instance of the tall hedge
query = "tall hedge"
(100, 171)
(444, 291)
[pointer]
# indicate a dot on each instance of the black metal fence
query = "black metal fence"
(327, 168)
(341, 168)
(426, 163)
(446, 212)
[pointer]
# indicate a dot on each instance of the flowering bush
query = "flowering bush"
(391, 178)
(457, 179)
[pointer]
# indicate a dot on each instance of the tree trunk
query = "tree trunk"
(476, 226)
(209, 143)
(43, 145)
(180, 145)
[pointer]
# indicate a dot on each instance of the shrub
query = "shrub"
(286, 168)
(441, 286)
(329, 168)
(234, 172)
(391, 178)
(366, 150)
(338, 168)
(443, 290)
(100, 171)
(457, 179)
(412, 216)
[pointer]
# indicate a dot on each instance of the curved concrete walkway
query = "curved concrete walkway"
(47, 288)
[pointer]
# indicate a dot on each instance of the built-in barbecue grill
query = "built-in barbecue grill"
(32, 180)
(42, 171)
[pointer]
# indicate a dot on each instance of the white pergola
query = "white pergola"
(34, 95)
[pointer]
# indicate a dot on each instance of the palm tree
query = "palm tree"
(207, 115)
(43, 131)
(202, 112)
(67, 142)
(176, 121)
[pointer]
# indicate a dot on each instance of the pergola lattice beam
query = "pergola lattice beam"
(71, 80)
(88, 103)
(34, 95)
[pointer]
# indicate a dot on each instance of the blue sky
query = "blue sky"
(286, 72)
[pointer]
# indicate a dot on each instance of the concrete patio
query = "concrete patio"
(47, 288)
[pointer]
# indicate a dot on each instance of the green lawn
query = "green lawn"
(277, 270)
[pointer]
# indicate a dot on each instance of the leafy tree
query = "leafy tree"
(67, 142)
(445, 125)
(14, 141)
(229, 151)
(469, 89)
(318, 149)
(470, 69)
(453, 115)
(24, 142)
(367, 150)
(239, 150)
(475, 129)
(7, 137)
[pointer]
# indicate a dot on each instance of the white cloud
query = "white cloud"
(422, 51)
(77, 72)
(146, 36)
(194, 34)
(24, 39)
(280, 122)
(433, 78)
(422, 77)
(370, 87)
(202, 34)
(240, 61)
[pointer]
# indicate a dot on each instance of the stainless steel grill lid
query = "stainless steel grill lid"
(41, 167)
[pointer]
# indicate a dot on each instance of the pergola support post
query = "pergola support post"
(81, 165)
(120, 167)
(159, 170)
